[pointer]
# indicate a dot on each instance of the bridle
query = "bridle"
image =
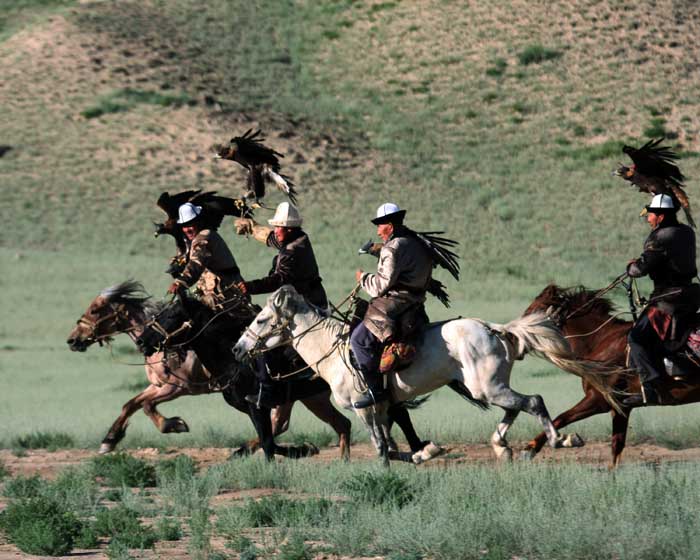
(117, 312)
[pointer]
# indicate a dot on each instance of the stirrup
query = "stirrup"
(370, 398)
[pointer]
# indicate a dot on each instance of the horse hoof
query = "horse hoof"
(175, 425)
(429, 451)
(393, 446)
(503, 454)
(309, 449)
(527, 454)
(573, 440)
(239, 453)
(106, 448)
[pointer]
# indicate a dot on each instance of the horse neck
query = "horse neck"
(590, 335)
(314, 337)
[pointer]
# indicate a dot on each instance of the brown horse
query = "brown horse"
(595, 333)
(123, 309)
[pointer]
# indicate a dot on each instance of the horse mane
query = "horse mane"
(570, 300)
(132, 294)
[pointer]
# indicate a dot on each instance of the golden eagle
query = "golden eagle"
(654, 171)
(214, 208)
(261, 162)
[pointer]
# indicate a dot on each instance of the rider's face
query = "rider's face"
(281, 233)
(654, 220)
(385, 231)
(190, 231)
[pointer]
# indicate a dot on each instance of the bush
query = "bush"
(385, 488)
(498, 68)
(122, 469)
(272, 511)
(123, 524)
(24, 487)
(76, 489)
(534, 54)
(295, 549)
(168, 529)
(125, 99)
(4, 471)
(51, 441)
(41, 526)
(180, 467)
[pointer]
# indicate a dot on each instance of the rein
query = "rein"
(598, 295)
(117, 312)
(259, 340)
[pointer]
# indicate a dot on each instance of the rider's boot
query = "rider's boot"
(648, 396)
(376, 391)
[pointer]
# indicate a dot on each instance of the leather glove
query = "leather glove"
(365, 248)
(244, 226)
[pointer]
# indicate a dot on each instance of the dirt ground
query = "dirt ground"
(49, 464)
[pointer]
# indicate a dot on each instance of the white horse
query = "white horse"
(473, 356)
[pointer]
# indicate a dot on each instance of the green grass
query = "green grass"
(121, 469)
(126, 99)
(535, 54)
(51, 441)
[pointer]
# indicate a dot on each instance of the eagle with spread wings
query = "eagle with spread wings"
(214, 208)
(654, 171)
(261, 162)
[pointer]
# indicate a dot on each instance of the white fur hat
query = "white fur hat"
(187, 213)
(286, 215)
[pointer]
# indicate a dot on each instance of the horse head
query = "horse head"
(110, 313)
(549, 301)
(273, 326)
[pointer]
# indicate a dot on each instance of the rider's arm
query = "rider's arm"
(200, 254)
(248, 226)
(387, 274)
(650, 259)
(283, 274)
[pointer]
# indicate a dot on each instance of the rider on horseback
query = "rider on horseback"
(295, 264)
(210, 265)
(399, 286)
(669, 260)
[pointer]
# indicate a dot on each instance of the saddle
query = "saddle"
(399, 351)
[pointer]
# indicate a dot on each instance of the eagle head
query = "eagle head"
(224, 152)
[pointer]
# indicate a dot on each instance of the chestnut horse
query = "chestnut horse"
(124, 309)
(595, 332)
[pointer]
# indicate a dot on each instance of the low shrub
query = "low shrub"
(24, 487)
(51, 441)
(40, 526)
(182, 467)
(122, 469)
(4, 471)
(272, 511)
(124, 99)
(123, 524)
(384, 488)
(534, 54)
(76, 489)
(168, 529)
(295, 549)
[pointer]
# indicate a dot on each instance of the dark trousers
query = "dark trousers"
(366, 348)
(646, 350)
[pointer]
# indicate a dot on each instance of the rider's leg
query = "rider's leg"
(366, 348)
(646, 353)
(266, 394)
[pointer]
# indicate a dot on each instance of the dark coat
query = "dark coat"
(668, 258)
(295, 264)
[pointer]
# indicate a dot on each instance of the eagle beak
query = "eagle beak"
(643, 213)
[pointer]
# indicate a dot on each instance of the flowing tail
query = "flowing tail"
(537, 334)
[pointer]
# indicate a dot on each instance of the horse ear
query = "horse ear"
(279, 298)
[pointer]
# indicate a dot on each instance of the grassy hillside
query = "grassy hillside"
(499, 123)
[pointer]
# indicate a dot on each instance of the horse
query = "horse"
(476, 355)
(187, 323)
(595, 332)
(125, 308)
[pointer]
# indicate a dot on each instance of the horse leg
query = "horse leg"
(593, 403)
(118, 429)
(399, 414)
(619, 435)
(498, 439)
(509, 399)
(166, 393)
(375, 418)
(263, 427)
(320, 405)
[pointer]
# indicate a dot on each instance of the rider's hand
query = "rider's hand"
(242, 287)
(174, 287)
(244, 226)
(358, 275)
